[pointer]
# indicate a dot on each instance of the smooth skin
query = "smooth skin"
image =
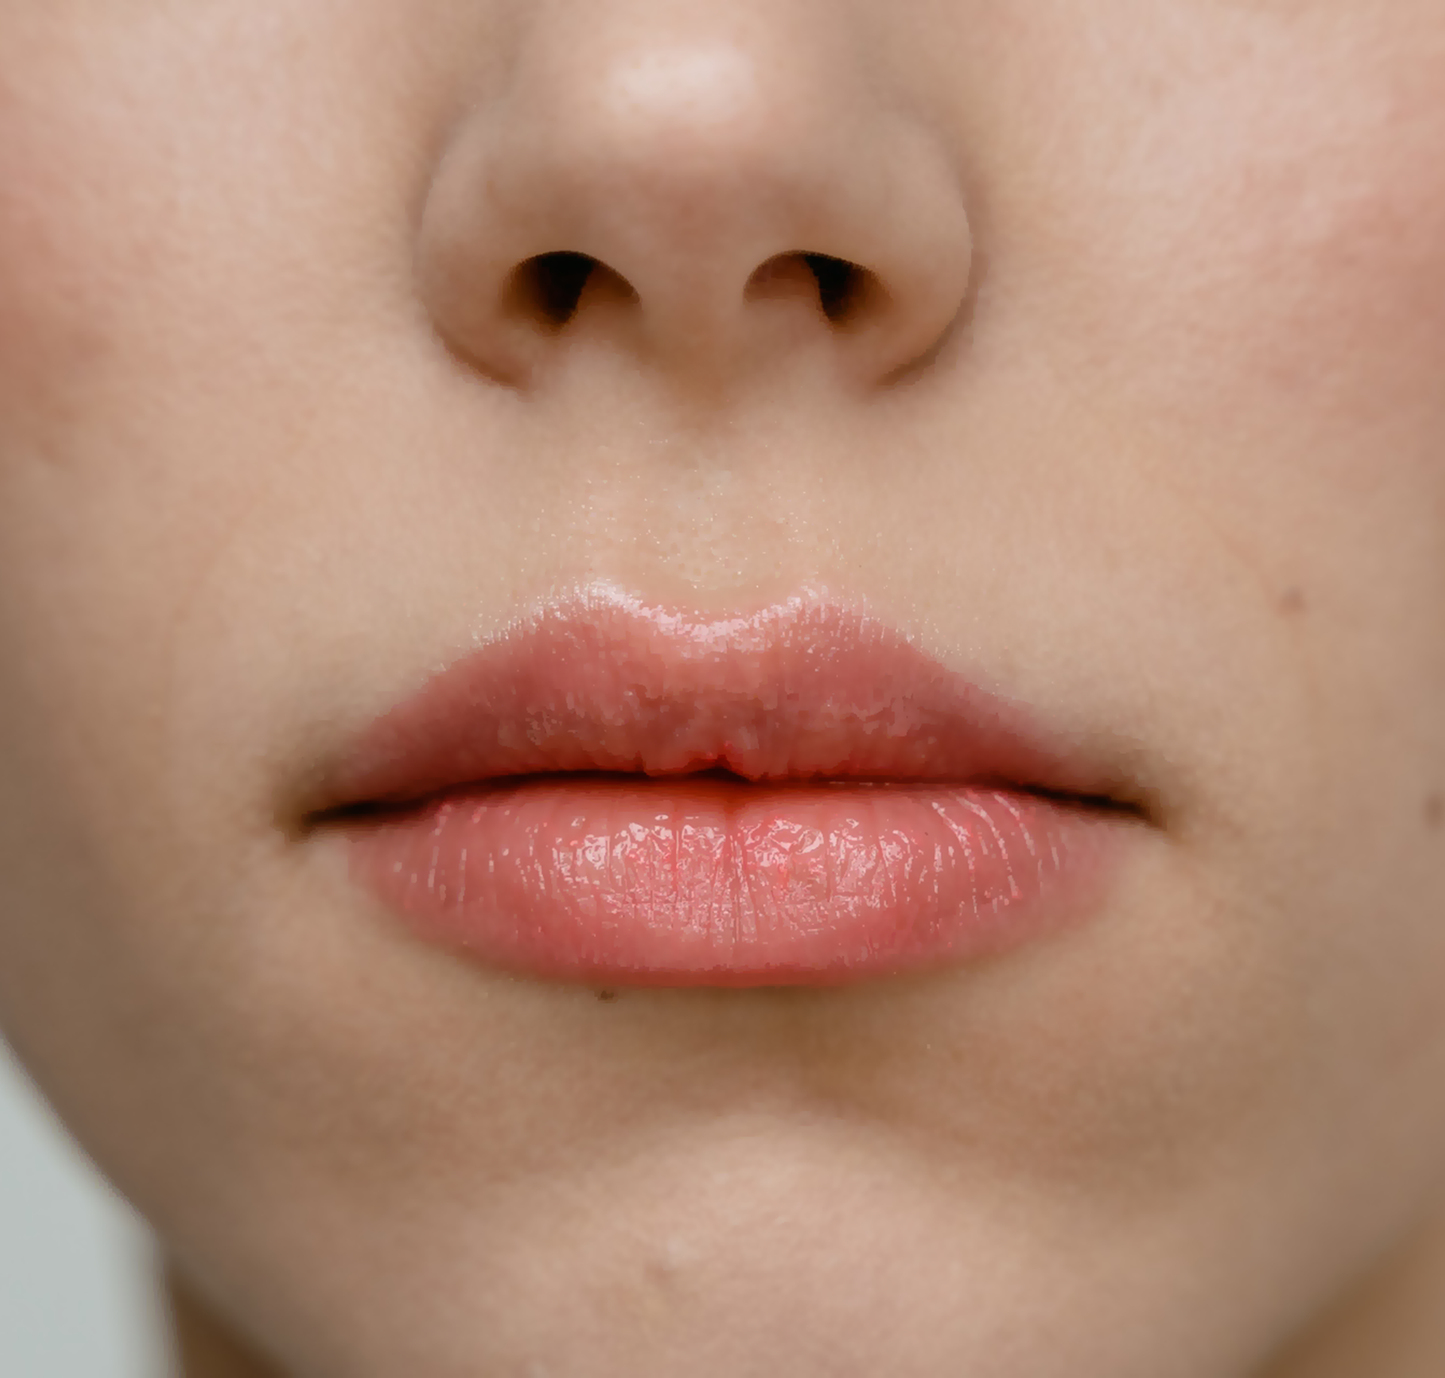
(1132, 410)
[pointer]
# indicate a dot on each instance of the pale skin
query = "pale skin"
(1143, 424)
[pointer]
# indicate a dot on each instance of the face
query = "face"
(1123, 401)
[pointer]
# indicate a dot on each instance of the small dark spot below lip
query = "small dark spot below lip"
(607, 996)
(1293, 602)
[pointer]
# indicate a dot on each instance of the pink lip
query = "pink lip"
(866, 811)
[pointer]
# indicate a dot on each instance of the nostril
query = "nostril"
(549, 286)
(841, 285)
(839, 288)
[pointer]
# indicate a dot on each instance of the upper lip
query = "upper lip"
(808, 688)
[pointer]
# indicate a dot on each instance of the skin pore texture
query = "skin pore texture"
(1112, 383)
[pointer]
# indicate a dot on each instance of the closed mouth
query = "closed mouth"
(617, 793)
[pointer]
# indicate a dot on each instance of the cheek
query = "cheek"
(1221, 211)
(166, 258)
(1246, 283)
(57, 282)
(1275, 246)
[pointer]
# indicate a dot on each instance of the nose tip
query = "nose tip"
(717, 205)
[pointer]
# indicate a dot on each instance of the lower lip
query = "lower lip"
(711, 882)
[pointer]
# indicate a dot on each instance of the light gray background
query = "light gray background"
(77, 1282)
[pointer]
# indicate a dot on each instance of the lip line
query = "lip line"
(364, 810)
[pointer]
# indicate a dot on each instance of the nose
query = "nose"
(719, 191)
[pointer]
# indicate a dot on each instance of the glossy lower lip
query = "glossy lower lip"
(627, 795)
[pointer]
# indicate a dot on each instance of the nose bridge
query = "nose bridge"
(673, 157)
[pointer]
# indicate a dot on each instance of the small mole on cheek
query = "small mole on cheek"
(1292, 603)
(607, 996)
(1435, 810)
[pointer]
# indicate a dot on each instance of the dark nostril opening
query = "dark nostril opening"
(840, 284)
(843, 289)
(550, 285)
(548, 288)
